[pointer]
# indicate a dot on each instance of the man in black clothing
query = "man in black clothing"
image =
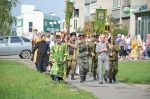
(43, 51)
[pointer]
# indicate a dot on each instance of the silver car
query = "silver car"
(15, 45)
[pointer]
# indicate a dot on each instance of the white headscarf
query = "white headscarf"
(122, 36)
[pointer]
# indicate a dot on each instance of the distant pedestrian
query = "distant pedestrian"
(148, 46)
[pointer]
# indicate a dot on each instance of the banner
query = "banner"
(69, 11)
(87, 28)
(100, 18)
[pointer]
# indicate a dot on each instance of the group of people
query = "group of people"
(134, 47)
(62, 54)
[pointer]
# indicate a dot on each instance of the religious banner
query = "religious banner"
(69, 11)
(87, 28)
(100, 18)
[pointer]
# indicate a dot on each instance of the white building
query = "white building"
(31, 18)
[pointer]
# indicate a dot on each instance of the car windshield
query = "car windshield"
(4, 40)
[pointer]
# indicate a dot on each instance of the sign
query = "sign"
(126, 10)
(93, 7)
(69, 11)
(87, 28)
(99, 24)
(142, 8)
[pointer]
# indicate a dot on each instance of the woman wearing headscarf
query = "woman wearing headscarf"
(134, 47)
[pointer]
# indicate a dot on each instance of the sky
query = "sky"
(46, 6)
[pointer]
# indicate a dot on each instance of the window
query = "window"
(87, 9)
(76, 12)
(30, 26)
(15, 40)
(45, 23)
(4, 40)
(116, 3)
(25, 39)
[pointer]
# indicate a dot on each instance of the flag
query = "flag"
(100, 18)
(69, 11)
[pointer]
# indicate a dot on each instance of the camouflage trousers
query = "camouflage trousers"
(83, 65)
(113, 69)
(71, 65)
(93, 64)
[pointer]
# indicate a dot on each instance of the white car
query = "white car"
(15, 45)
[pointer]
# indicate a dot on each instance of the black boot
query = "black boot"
(81, 81)
(110, 80)
(114, 78)
(72, 77)
(84, 78)
(67, 75)
(94, 76)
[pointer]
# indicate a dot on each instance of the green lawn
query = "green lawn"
(134, 72)
(18, 81)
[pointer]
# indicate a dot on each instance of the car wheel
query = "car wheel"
(25, 54)
(20, 56)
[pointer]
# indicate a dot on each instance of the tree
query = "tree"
(6, 19)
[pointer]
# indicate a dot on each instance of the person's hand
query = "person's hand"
(87, 44)
(87, 53)
(95, 42)
(111, 54)
(105, 49)
(64, 60)
(53, 61)
(68, 44)
(93, 54)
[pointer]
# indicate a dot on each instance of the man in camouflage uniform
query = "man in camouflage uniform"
(83, 58)
(72, 49)
(113, 60)
(93, 59)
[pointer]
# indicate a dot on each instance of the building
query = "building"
(31, 18)
(136, 19)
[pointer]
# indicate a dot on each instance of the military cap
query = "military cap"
(73, 33)
(81, 36)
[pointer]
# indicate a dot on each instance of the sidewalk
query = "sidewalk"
(116, 90)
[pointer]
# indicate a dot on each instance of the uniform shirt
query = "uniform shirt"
(71, 50)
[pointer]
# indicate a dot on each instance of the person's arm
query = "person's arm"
(52, 54)
(73, 45)
(34, 48)
(116, 48)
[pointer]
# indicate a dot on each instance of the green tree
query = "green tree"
(6, 18)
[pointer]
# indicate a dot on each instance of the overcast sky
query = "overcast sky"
(45, 6)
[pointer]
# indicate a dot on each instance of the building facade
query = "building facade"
(137, 19)
(31, 18)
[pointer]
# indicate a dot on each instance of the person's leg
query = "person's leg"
(100, 63)
(68, 67)
(73, 68)
(110, 75)
(95, 68)
(115, 70)
(107, 67)
(56, 78)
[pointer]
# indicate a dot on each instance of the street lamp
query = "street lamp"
(139, 19)
(54, 25)
(63, 24)
(59, 22)
(51, 23)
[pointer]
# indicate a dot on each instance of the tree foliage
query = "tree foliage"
(6, 18)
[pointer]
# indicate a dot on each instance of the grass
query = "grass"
(18, 81)
(134, 72)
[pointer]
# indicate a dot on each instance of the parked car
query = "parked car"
(15, 45)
